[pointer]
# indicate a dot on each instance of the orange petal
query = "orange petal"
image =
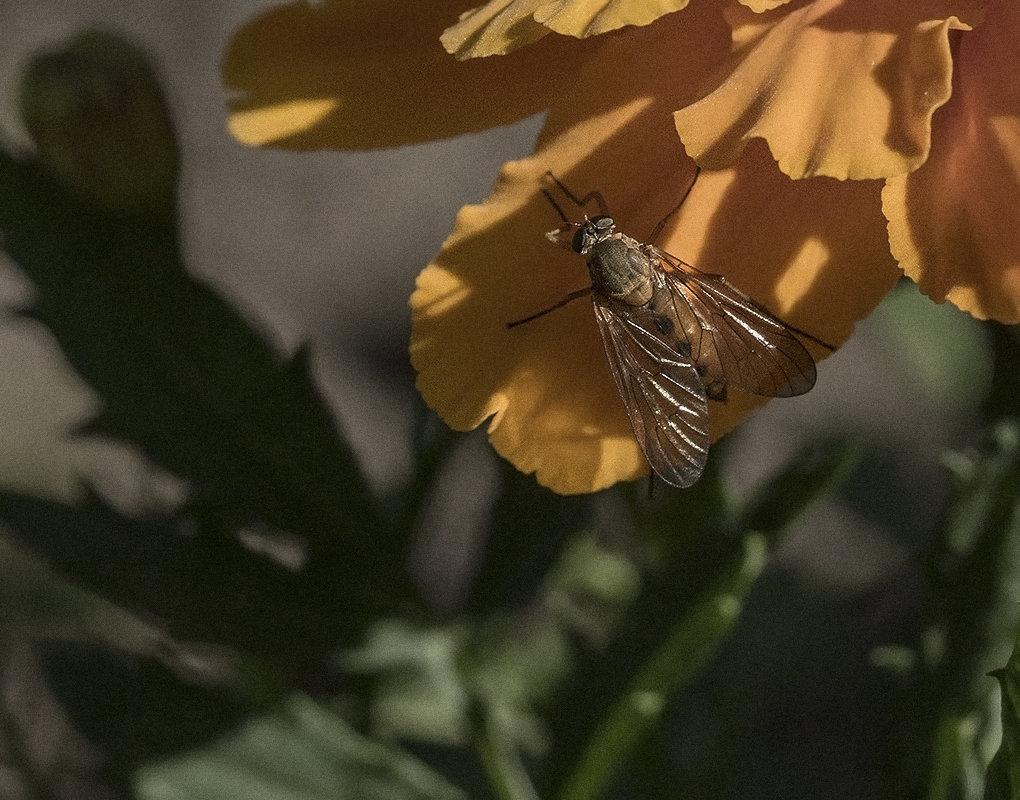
(954, 224)
(545, 384)
(813, 251)
(502, 26)
(365, 75)
(839, 89)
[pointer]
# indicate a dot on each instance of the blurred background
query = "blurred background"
(322, 249)
(314, 247)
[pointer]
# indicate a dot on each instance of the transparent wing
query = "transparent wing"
(660, 388)
(733, 340)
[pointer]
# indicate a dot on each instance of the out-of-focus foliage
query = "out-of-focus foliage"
(302, 751)
(1004, 771)
(263, 636)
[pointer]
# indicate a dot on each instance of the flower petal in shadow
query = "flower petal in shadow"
(954, 224)
(366, 75)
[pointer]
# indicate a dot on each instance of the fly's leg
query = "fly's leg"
(580, 202)
(572, 296)
(662, 223)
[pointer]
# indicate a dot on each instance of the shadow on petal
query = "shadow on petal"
(545, 384)
(813, 251)
(368, 75)
(953, 223)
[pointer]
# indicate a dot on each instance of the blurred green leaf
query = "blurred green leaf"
(591, 586)
(601, 686)
(686, 608)
(974, 565)
(419, 693)
(181, 372)
(301, 752)
(511, 661)
(200, 391)
(39, 604)
(151, 566)
(96, 113)
(1003, 777)
(133, 707)
(676, 663)
(813, 473)
(973, 573)
(945, 350)
(529, 528)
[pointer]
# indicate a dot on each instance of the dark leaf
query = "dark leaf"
(198, 389)
(303, 752)
(1003, 778)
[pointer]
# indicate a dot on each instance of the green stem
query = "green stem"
(675, 664)
(955, 773)
(508, 778)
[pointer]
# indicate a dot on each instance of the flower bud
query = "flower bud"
(97, 116)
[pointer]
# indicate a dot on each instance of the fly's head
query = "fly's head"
(582, 237)
(590, 232)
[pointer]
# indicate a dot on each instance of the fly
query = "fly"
(675, 338)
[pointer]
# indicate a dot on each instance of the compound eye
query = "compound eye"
(579, 240)
(603, 223)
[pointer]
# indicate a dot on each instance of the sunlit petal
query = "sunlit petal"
(502, 26)
(758, 6)
(593, 17)
(839, 89)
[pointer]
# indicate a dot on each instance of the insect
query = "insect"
(675, 338)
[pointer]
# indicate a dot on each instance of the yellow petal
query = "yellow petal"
(813, 251)
(497, 28)
(365, 75)
(502, 26)
(758, 6)
(954, 225)
(583, 18)
(840, 89)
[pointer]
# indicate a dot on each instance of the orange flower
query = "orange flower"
(836, 90)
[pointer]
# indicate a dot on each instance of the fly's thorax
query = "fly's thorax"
(620, 270)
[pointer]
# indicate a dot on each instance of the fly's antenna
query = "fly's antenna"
(580, 202)
(676, 208)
